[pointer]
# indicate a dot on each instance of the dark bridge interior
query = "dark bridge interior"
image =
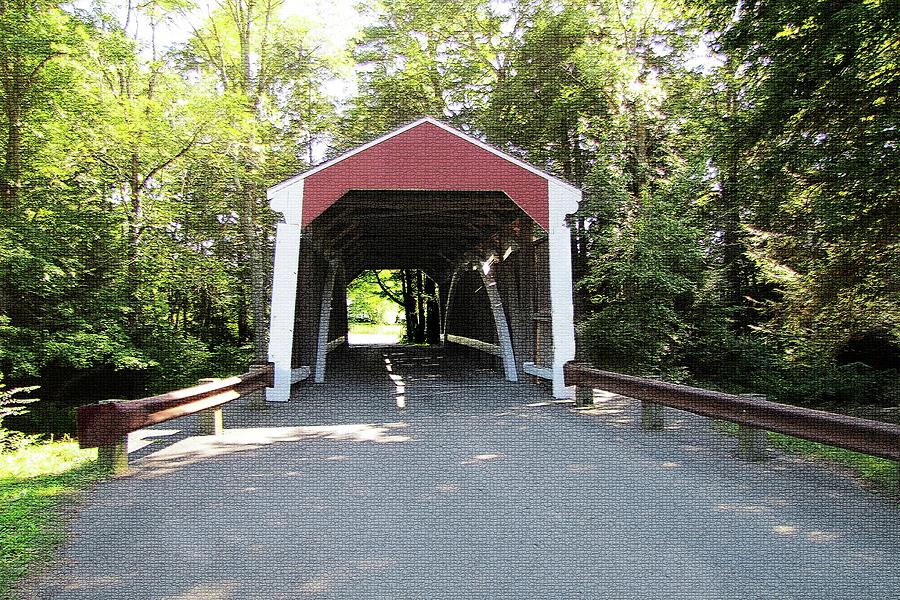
(435, 231)
(452, 236)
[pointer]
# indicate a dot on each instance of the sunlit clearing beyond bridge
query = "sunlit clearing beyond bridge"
(468, 487)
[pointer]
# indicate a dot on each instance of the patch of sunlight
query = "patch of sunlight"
(207, 591)
(537, 404)
(581, 468)
(196, 449)
(447, 488)
(589, 410)
(821, 536)
(53, 490)
(745, 508)
(480, 458)
(144, 437)
(784, 530)
(51, 458)
(317, 585)
(670, 465)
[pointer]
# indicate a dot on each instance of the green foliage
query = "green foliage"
(642, 281)
(179, 360)
(369, 302)
(134, 234)
(816, 140)
(10, 407)
(880, 472)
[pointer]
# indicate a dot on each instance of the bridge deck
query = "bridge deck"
(476, 489)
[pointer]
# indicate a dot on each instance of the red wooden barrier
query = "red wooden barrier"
(875, 438)
(104, 424)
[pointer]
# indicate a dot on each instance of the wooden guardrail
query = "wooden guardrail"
(875, 438)
(106, 425)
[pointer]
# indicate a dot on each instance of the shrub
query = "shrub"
(9, 407)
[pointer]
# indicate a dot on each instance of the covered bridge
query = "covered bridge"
(488, 228)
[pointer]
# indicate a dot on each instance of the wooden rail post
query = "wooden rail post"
(653, 416)
(752, 441)
(211, 420)
(584, 395)
(113, 458)
(257, 398)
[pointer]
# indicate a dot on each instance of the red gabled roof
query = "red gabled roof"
(425, 155)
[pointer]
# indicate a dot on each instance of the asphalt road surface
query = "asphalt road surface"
(418, 473)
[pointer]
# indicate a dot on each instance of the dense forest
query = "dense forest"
(740, 227)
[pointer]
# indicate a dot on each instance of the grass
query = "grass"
(37, 484)
(377, 328)
(878, 472)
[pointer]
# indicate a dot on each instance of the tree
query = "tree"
(35, 36)
(817, 139)
(152, 119)
(273, 72)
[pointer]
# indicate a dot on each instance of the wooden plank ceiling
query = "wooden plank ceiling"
(435, 231)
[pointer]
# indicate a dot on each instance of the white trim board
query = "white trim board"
(473, 343)
(300, 373)
(334, 344)
(542, 372)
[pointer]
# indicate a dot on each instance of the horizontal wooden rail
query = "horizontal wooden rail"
(473, 343)
(104, 424)
(860, 435)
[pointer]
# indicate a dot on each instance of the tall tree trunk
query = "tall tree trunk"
(10, 181)
(135, 225)
(433, 316)
(257, 275)
(243, 318)
(638, 155)
(420, 309)
(244, 21)
(409, 305)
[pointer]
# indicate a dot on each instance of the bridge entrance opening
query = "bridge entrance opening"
(473, 243)
(393, 306)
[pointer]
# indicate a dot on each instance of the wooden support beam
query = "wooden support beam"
(324, 322)
(584, 394)
(752, 443)
(504, 341)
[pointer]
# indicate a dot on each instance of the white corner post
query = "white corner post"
(325, 322)
(288, 201)
(503, 338)
(563, 201)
